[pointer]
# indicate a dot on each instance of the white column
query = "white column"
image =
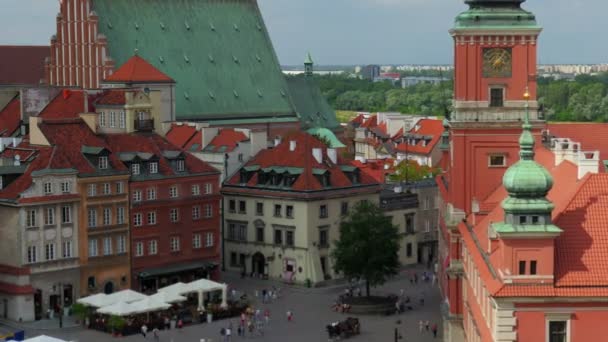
(224, 296)
(201, 302)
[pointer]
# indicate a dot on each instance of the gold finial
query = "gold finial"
(527, 94)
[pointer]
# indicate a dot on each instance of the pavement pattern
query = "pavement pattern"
(311, 312)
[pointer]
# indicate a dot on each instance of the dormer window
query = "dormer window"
(48, 188)
(523, 220)
(135, 169)
(535, 220)
(180, 165)
(103, 163)
(153, 168)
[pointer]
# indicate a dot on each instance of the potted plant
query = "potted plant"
(81, 311)
(116, 324)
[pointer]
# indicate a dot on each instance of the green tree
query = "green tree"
(368, 246)
(410, 171)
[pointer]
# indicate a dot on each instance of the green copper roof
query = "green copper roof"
(311, 106)
(527, 205)
(496, 18)
(327, 136)
(218, 52)
(308, 59)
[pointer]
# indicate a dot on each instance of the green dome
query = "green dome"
(527, 178)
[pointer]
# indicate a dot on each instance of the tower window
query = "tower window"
(522, 267)
(498, 160)
(496, 97)
(533, 267)
(535, 219)
(523, 220)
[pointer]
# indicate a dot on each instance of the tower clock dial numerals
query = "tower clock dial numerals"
(497, 62)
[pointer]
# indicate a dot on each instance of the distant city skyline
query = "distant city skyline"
(358, 32)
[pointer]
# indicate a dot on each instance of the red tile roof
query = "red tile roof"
(582, 249)
(592, 136)
(22, 65)
(138, 70)
(378, 169)
(39, 157)
(226, 140)
(180, 135)
(10, 117)
(67, 104)
(302, 157)
(113, 97)
(426, 127)
(370, 122)
(156, 145)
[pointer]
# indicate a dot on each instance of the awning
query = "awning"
(153, 272)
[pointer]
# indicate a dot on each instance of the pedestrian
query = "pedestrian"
(228, 334)
(427, 325)
(289, 316)
(420, 326)
(267, 317)
(167, 323)
(264, 295)
(144, 330)
(180, 324)
(415, 278)
(239, 330)
(155, 333)
(434, 328)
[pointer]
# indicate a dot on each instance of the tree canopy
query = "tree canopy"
(410, 171)
(368, 246)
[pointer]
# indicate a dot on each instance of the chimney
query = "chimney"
(85, 96)
(277, 141)
(318, 154)
(588, 162)
(15, 143)
(292, 145)
(332, 153)
(17, 160)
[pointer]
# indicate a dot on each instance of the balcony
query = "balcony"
(144, 124)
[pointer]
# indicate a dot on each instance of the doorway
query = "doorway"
(324, 267)
(68, 295)
(108, 288)
(5, 308)
(54, 301)
(38, 305)
(258, 262)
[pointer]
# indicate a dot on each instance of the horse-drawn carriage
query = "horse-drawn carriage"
(344, 329)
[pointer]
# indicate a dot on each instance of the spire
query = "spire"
(526, 140)
(308, 65)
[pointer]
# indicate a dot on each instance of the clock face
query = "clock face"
(497, 62)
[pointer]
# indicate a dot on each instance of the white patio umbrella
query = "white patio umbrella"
(127, 296)
(44, 338)
(177, 288)
(149, 305)
(118, 309)
(168, 297)
(96, 300)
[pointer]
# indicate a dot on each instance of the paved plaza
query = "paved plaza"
(312, 312)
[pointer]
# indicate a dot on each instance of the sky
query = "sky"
(353, 32)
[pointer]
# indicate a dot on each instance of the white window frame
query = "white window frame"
(93, 248)
(137, 220)
(174, 244)
(122, 119)
(196, 190)
(66, 187)
(135, 169)
(32, 254)
(66, 214)
(121, 244)
(152, 247)
(49, 216)
(120, 187)
(92, 190)
(107, 246)
(209, 239)
(67, 249)
(153, 168)
(173, 192)
(196, 212)
(30, 218)
(139, 249)
(180, 165)
(106, 188)
(103, 163)
(151, 194)
(136, 195)
(120, 215)
(558, 317)
(208, 188)
(208, 211)
(92, 218)
(151, 218)
(48, 188)
(504, 159)
(174, 215)
(102, 119)
(196, 241)
(49, 251)
(107, 216)
(112, 121)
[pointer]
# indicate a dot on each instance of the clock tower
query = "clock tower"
(494, 66)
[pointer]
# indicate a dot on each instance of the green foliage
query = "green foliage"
(410, 171)
(368, 246)
(345, 115)
(80, 310)
(116, 323)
